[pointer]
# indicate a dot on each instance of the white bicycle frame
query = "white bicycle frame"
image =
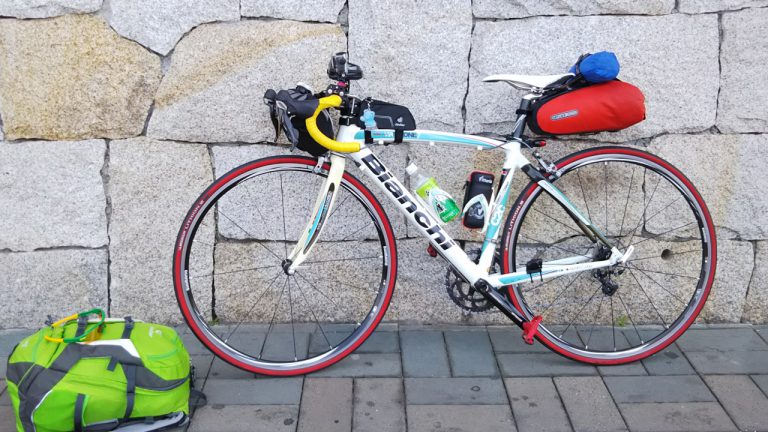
(429, 226)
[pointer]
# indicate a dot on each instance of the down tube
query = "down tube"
(416, 214)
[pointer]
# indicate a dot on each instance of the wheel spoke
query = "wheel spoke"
(312, 311)
(580, 311)
(653, 305)
(629, 315)
(252, 307)
(626, 202)
(250, 235)
(272, 321)
(661, 234)
(658, 284)
(561, 292)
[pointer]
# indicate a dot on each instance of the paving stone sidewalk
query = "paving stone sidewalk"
(477, 379)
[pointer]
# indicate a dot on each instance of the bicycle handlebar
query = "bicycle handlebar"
(332, 101)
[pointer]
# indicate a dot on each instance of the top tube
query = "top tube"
(430, 136)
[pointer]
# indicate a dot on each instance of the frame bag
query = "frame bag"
(604, 107)
(125, 374)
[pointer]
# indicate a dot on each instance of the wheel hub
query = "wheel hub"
(286, 264)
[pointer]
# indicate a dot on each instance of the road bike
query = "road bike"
(606, 256)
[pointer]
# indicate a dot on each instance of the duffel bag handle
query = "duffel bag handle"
(84, 335)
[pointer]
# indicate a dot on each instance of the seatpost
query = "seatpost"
(522, 114)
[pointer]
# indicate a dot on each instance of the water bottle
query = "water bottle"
(429, 191)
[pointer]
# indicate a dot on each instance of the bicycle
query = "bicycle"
(610, 284)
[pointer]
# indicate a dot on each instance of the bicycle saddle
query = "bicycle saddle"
(528, 82)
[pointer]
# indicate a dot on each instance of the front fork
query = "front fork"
(323, 205)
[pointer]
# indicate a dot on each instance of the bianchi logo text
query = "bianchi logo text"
(564, 115)
(433, 229)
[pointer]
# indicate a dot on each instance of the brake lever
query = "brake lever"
(290, 131)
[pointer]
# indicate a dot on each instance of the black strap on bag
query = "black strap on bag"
(368, 137)
(82, 325)
(79, 408)
(130, 389)
(128, 329)
(398, 135)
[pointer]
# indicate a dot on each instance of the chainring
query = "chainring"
(462, 293)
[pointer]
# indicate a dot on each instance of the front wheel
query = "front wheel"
(238, 296)
(630, 311)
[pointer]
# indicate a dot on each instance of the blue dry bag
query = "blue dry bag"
(598, 67)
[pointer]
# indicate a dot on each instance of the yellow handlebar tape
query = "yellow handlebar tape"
(333, 101)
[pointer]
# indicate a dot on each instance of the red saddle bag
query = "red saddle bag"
(608, 106)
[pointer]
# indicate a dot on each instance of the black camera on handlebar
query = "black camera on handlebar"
(340, 69)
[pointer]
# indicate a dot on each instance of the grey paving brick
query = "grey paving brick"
(237, 418)
(462, 418)
(470, 354)
(202, 365)
(267, 391)
(7, 419)
(536, 405)
(326, 405)
(541, 364)
(742, 399)
(455, 391)
(5, 400)
(732, 362)
(192, 344)
(378, 342)
(589, 405)
(672, 417)
(509, 339)
(762, 382)
(762, 331)
(2, 386)
(3, 366)
(686, 388)
(223, 370)
(9, 339)
(379, 405)
(364, 365)
(728, 339)
(424, 354)
(669, 361)
(630, 369)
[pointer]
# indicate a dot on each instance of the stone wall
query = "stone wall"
(115, 114)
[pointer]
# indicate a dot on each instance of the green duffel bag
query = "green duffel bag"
(99, 375)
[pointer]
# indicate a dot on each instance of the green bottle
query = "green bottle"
(427, 188)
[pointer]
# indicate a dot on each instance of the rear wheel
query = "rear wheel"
(234, 290)
(627, 312)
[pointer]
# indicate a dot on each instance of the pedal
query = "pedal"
(431, 251)
(530, 329)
